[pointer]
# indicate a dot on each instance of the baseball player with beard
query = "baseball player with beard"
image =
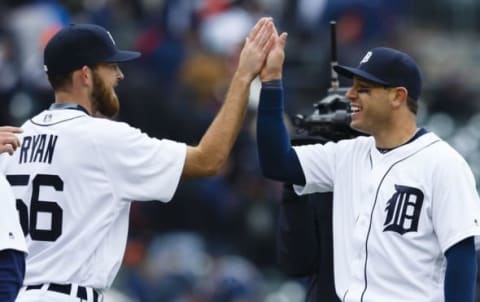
(405, 205)
(75, 174)
(12, 241)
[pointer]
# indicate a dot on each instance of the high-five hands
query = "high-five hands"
(256, 48)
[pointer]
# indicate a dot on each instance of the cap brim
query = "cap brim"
(123, 56)
(350, 72)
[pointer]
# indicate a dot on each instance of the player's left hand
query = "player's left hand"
(9, 141)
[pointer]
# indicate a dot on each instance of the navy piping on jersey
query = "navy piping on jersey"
(419, 133)
(58, 106)
(373, 209)
(46, 125)
(371, 160)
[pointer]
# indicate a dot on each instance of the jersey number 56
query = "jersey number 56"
(29, 222)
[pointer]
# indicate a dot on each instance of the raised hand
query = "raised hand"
(272, 70)
(257, 46)
(9, 142)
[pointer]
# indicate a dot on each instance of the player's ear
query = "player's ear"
(399, 97)
(83, 75)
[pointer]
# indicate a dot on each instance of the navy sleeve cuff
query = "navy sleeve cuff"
(272, 84)
(271, 96)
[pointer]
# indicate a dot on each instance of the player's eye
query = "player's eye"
(363, 90)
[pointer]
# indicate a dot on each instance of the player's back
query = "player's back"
(74, 216)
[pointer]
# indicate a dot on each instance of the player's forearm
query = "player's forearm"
(278, 160)
(12, 273)
(461, 271)
(218, 140)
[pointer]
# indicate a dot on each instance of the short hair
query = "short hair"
(412, 105)
(60, 81)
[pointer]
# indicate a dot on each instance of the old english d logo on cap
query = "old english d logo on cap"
(366, 57)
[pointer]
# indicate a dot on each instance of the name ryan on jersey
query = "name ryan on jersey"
(37, 148)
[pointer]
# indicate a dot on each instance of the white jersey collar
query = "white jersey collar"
(405, 150)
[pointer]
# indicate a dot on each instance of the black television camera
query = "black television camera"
(330, 120)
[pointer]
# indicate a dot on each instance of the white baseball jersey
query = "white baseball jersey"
(395, 214)
(76, 176)
(11, 235)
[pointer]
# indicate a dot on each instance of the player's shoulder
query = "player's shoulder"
(112, 130)
(441, 153)
(107, 125)
(441, 147)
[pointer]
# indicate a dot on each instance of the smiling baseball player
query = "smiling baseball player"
(75, 174)
(405, 205)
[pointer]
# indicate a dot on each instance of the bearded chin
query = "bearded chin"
(108, 106)
(104, 101)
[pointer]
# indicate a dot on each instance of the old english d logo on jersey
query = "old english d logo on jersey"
(403, 210)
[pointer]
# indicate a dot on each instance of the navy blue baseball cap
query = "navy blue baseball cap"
(78, 45)
(389, 67)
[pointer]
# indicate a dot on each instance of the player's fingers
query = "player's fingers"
(264, 30)
(265, 34)
(7, 148)
(283, 40)
(255, 29)
(11, 139)
(258, 26)
(275, 30)
(255, 36)
(15, 143)
(270, 43)
(10, 149)
(10, 129)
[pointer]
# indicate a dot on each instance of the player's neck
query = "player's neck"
(389, 139)
(72, 98)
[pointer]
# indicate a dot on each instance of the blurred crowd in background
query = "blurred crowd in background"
(215, 241)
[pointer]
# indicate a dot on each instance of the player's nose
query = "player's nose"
(351, 93)
(120, 75)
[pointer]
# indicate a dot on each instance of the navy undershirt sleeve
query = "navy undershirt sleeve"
(460, 275)
(12, 272)
(278, 160)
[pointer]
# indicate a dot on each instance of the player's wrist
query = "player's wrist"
(270, 76)
(243, 77)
